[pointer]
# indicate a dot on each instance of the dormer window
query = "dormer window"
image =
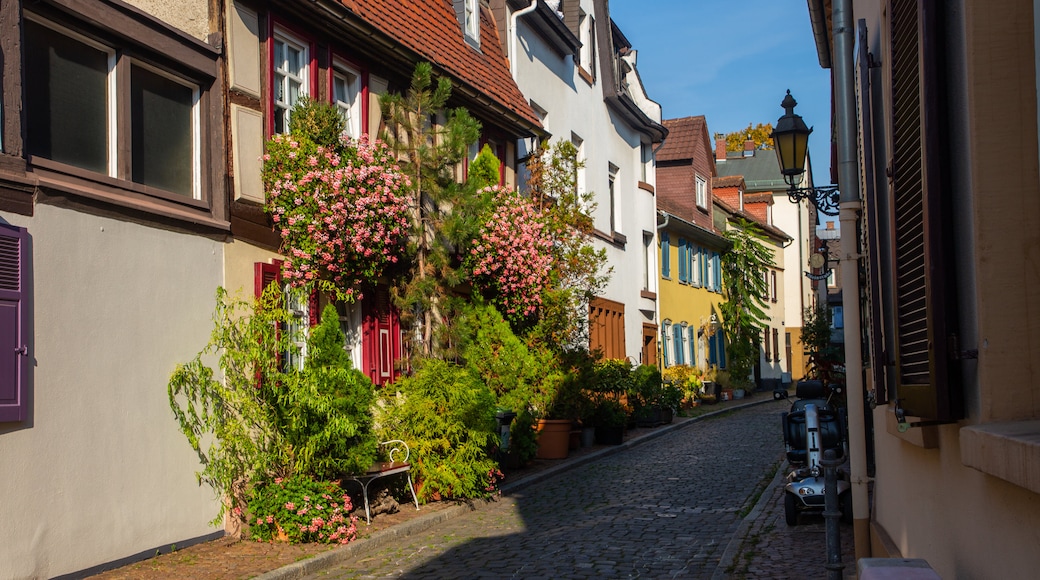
(468, 13)
(587, 35)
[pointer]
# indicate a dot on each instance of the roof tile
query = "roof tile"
(431, 29)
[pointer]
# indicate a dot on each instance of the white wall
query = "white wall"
(574, 106)
(100, 470)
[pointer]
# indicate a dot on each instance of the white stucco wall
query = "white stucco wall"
(574, 106)
(100, 470)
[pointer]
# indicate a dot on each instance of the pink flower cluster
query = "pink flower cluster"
(343, 216)
(512, 258)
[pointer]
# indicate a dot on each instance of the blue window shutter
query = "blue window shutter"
(665, 329)
(14, 324)
(718, 271)
(722, 350)
(683, 266)
(712, 340)
(666, 265)
(677, 338)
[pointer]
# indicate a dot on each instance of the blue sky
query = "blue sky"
(731, 61)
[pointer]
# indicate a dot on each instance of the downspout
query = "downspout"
(850, 210)
(512, 35)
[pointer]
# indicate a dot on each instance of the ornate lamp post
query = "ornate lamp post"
(791, 141)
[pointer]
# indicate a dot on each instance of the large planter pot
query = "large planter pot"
(649, 417)
(554, 437)
(610, 435)
(667, 415)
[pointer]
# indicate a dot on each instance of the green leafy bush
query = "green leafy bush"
(446, 415)
(299, 509)
(326, 409)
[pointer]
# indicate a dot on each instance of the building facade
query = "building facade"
(946, 116)
(577, 69)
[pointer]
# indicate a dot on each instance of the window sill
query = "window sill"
(1009, 450)
(648, 295)
(645, 186)
(586, 76)
(192, 211)
(615, 238)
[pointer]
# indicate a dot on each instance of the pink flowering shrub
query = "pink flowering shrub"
(299, 509)
(342, 214)
(512, 259)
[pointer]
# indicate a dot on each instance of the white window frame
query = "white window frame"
(297, 304)
(471, 15)
(587, 35)
(666, 343)
(349, 110)
(702, 192)
(695, 266)
(710, 282)
(280, 75)
(615, 197)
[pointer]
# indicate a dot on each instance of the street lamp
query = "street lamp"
(791, 141)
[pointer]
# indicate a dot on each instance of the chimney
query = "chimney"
(749, 147)
(720, 147)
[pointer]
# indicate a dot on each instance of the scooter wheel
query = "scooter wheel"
(791, 509)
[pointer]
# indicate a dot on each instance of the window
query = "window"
(837, 317)
(346, 96)
(772, 283)
(579, 162)
(691, 337)
(702, 192)
(468, 14)
(765, 343)
(710, 275)
(92, 107)
(666, 251)
(648, 258)
(290, 76)
(646, 156)
(587, 35)
(678, 342)
(303, 310)
(615, 213)
(15, 315)
(776, 345)
(696, 256)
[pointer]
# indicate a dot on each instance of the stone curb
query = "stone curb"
(387, 536)
(733, 547)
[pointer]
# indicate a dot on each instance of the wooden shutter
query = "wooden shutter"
(264, 274)
(14, 324)
(875, 244)
(924, 383)
(666, 261)
(381, 336)
(607, 328)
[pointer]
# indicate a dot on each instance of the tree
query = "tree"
(428, 153)
(580, 271)
(824, 355)
(744, 287)
(759, 133)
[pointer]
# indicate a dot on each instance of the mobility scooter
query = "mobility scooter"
(813, 425)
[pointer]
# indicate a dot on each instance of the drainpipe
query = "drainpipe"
(512, 35)
(850, 210)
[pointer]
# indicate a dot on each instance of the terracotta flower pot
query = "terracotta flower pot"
(553, 438)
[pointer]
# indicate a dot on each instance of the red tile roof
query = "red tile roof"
(431, 29)
(682, 138)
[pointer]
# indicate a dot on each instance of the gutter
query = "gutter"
(512, 35)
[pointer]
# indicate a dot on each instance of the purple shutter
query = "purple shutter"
(14, 322)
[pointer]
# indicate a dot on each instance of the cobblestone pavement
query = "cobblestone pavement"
(664, 509)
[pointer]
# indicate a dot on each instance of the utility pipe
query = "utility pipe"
(512, 35)
(850, 209)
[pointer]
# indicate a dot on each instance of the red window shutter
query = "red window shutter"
(264, 274)
(381, 336)
(14, 324)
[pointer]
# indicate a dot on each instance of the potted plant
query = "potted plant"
(610, 418)
(645, 395)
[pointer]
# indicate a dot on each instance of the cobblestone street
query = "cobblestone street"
(664, 509)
